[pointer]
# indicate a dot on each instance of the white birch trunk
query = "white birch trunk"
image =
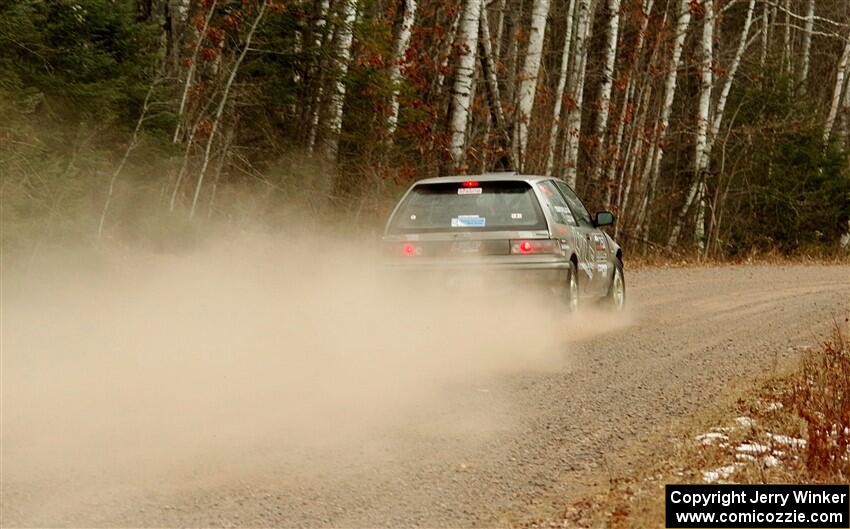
(322, 36)
(224, 97)
(576, 93)
(836, 93)
(402, 42)
(682, 23)
(807, 44)
(701, 142)
(730, 78)
(488, 64)
(134, 142)
(345, 37)
(190, 75)
(559, 92)
(606, 86)
(786, 39)
(646, 10)
(528, 74)
(462, 89)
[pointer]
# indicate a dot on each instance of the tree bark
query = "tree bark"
(488, 67)
(224, 98)
(402, 42)
(606, 86)
(559, 92)
(345, 37)
(836, 92)
(697, 186)
(576, 92)
(462, 89)
(807, 44)
(528, 75)
(682, 23)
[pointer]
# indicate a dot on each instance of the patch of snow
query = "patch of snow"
(710, 437)
(721, 473)
(745, 457)
(771, 461)
(796, 442)
(746, 422)
(753, 448)
(772, 406)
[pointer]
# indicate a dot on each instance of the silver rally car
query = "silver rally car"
(534, 227)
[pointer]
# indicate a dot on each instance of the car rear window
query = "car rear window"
(469, 206)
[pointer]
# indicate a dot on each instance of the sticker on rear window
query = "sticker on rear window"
(468, 221)
(469, 191)
(516, 216)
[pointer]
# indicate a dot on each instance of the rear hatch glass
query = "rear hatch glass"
(469, 206)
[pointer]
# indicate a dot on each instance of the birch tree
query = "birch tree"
(655, 159)
(342, 57)
(559, 92)
(701, 141)
(607, 84)
(223, 103)
(576, 92)
(462, 89)
(528, 74)
(836, 92)
(489, 69)
(402, 42)
(807, 44)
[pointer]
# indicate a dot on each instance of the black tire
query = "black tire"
(616, 297)
(571, 292)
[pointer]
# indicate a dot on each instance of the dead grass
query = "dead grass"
(792, 427)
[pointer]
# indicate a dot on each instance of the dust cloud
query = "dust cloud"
(136, 371)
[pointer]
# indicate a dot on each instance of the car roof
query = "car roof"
(485, 177)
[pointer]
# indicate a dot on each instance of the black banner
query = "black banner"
(764, 506)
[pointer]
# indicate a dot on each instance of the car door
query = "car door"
(567, 230)
(597, 244)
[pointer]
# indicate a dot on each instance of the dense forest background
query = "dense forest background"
(711, 127)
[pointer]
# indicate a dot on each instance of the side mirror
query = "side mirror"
(603, 218)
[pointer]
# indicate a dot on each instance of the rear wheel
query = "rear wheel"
(616, 298)
(571, 292)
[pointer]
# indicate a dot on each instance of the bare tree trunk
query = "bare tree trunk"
(190, 75)
(402, 42)
(682, 23)
(646, 9)
(606, 86)
(697, 187)
(807, 44)
(528, 75)
(730, 78)
(576, 92)
(441, 78)
(836, 92)
(765, 35)
(559, 93)
(488, 67)
(787, 62)
(345, 37)
(134, 142)
(224, 97)
(462, 89)
(323, 36)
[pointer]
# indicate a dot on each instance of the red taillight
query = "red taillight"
(535, 246)
(409, 249)
(470, 183)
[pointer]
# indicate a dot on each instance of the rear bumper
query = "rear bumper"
(491, 272)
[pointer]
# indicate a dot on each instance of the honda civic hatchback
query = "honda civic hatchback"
(533, 228)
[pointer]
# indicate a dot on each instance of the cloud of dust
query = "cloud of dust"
(253, 350)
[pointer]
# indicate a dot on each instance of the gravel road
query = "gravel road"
(496, 449)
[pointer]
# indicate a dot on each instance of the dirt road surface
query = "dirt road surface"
(498, 448)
